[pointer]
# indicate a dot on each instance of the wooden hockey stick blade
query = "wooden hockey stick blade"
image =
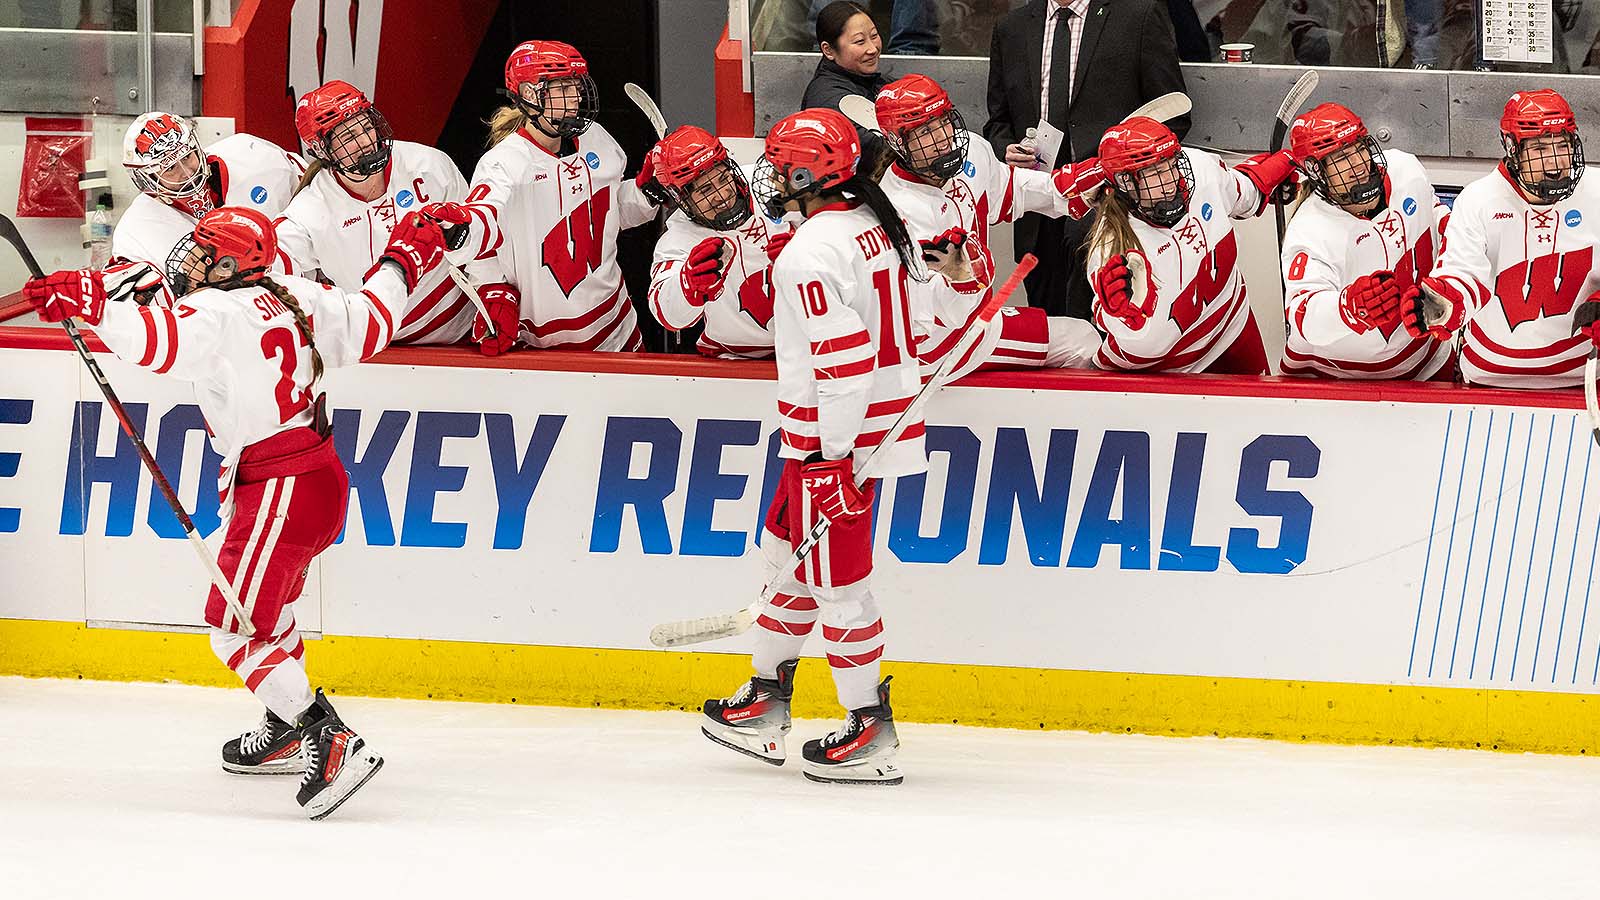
(861, 111)
(648, 107)
(1591, 370)
(1164, 108)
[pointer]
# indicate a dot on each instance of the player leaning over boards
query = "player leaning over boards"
(546, 204)
(847, 368)
(255, 346)
(361, 183)
(1365, 236)
(1520, 256)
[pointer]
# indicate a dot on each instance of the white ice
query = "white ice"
(114, 790)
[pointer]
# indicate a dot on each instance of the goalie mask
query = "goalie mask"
(922, 127)
(1149, 170)
(1341, 160)
(697, 173)
(339, 126)
(1544, 154)
(164, 159)
(549, 81)
(808, 152)
(230, 248)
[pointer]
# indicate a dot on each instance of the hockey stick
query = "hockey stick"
(1590, 401)
(694, 631)
(8, 230)
(1291, 104)
(1382, 32)
(863, 113)
(648, 107)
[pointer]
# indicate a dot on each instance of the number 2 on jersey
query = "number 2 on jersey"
(280, 344)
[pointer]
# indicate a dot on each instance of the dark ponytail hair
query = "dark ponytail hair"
(300, 322)
(831, 20)
(868, 192)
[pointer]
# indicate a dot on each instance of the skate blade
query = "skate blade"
(294, 765)
(731, 742)
(882, 772)
(357, 773)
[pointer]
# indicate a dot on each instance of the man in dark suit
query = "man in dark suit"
(1103, 60)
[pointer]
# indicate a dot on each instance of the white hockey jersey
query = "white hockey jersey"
(328, 228)
(846, 364)
(1200, 298)
(1523, 268)
(250, 365)
(548, 225)
(250, 172)
(739, 321)
(1325, 249)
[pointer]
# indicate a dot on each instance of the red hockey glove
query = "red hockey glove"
(453, 219)
(702, 275)
(1371, 301)
(1433, 309)
(646, 181)
(417, 245)
(776, 242)
(504, 305)
(1267, 171)
(831, 483)
(947, 255)
(1586, 319)
(73, 292)
(1119, 290)
(1080, 184)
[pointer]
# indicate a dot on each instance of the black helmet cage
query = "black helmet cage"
(530, 99)
(940, 164)
(776, 189)
(730, 203)
(1320, 173)
(1161, 213)
(1548, 189)
(359, 146)
(192, 266)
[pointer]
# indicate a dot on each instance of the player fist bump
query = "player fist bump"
(416, 245)
(703, 273)
(1432, 309)
(946, 253)
(1267, 171)
(1371, 301)
(1079, 184)
(1586, 319)
(453, 218)
(73, 292)
(831, 484)
(1124, 289)
(498, 333)
(776, 242)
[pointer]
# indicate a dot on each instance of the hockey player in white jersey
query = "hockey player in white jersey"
(847, 369)
(544, 210)
(1364, 236)
(1519, 255)
(948, 184)
(1163, 259)
(711, 262)
(361, 182)
(255, 347)
(178, 183)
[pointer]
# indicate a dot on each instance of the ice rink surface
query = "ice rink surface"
(114, 790)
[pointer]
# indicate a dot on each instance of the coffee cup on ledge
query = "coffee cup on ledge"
(1237, 53)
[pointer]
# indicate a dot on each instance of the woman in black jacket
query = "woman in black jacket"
(851, 53)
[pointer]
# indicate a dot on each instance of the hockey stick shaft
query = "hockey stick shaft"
(8, 230)
(647, 106)
(1590, 401)
(694, 631)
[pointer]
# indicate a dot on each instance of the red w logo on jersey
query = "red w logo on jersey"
(755, 298)
(1215, 269)
(573, 247)
(1543, 286)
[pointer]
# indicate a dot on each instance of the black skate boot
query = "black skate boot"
(755, 720)
(272, 749)
(862, 751)
(338, 761)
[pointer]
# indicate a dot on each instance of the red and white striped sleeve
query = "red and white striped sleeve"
(352, 326)
(492, 185)
(1464, 264)
(841, 349)
(181, 342)
(667, 302)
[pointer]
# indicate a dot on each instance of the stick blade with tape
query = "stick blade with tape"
(1164, 108)
(861, 111)
(648, 107)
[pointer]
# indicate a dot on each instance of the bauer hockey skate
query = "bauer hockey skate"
(338, 761)
(272, 749)
(862, 751)
(755, 720)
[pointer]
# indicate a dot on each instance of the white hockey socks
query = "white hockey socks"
(271, 668)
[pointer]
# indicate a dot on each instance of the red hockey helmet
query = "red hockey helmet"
(922, 127)
(809, 151)
(550, 75)
(339, 126)
(229, 248)
(1321, 141)
(1545, 168)
(1147, 167)
(163, 157)
(693, 167)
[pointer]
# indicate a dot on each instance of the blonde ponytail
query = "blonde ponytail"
(1112, 232)
(506, 121)
(316, 166)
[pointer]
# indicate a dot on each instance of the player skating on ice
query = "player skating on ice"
(846, 370)
(361, 182)
(255, 347)
(544, 210)
(711, 262)
(178, 183)
(1365, 235)
(1163, 258)
(1519, 255)
(943, 178)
